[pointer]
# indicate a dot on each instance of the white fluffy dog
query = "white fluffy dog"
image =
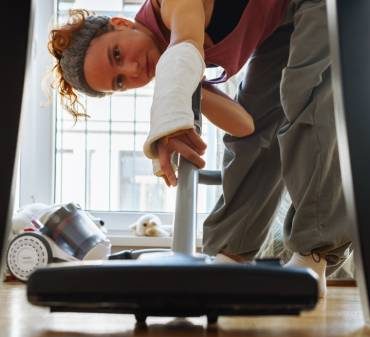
(150, 225)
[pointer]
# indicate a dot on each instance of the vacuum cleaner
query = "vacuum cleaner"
(178, 282)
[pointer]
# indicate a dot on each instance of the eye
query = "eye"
(120, 82)
(117, 54)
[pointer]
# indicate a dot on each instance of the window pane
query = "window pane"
(140, 190)
(70, 161)
(97, 166)
(98, 109)
(123, 107)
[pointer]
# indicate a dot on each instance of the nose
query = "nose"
(131, 69)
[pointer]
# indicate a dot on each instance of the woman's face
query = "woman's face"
(124, 58)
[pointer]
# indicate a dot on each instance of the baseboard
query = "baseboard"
(341, 283)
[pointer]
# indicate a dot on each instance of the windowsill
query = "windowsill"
(127, 239)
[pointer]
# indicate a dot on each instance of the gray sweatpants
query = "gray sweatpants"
(287, 90)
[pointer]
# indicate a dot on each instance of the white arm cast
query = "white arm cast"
(178, 73)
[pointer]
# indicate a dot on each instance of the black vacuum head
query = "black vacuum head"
(174, 287)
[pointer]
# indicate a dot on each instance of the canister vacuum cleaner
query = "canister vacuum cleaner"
(63, 233)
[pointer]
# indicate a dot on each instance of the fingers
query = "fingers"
(164, 156)
(188, 144)
(197, 141)
(192, 139)
(168, 183)
(186, 151)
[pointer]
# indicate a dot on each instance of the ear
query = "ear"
(118, 22)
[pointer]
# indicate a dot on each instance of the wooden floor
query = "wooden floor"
(339, 315)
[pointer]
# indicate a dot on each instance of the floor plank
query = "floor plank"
(339, 315)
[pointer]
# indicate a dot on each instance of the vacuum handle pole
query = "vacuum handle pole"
(184, 234)
(185, 222)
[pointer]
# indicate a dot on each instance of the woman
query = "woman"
(279, 131)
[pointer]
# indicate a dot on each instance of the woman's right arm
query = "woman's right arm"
(225, 113)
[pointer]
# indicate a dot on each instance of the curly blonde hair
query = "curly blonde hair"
(60, 39)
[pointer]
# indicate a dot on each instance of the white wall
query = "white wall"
(36, 165)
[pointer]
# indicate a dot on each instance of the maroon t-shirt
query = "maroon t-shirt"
(259, 19)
